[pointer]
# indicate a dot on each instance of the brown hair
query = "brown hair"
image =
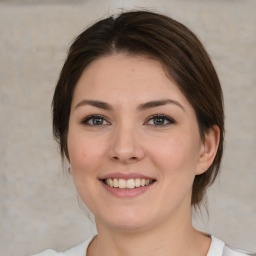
(164, 39)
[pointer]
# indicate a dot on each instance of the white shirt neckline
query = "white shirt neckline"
(216, 248)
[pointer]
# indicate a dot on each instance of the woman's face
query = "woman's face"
(133, 143)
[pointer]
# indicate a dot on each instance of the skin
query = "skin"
(128, 140)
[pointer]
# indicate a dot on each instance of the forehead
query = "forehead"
(124, 68)
(124, 78)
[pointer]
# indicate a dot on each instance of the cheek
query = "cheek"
(176, 156)
(84, 154)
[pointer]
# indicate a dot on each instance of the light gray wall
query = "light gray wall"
(39, 208)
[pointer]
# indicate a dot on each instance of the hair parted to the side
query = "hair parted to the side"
(159, 37)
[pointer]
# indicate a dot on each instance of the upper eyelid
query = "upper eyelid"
(83, 120)
(160, 116)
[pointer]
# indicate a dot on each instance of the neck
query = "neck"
(168, 238)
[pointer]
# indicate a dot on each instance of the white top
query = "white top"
(217, 248)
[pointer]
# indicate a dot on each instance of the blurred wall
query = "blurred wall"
(39, 208)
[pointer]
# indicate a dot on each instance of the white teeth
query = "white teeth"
(122, 183)
(137, 183)
(115, 183)
(130, 183)
(110, 182)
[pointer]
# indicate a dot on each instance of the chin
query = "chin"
(128, 226)
(127, 221)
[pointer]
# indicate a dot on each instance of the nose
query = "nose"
(126, 146)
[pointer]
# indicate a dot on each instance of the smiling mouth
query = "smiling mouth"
(127, 184)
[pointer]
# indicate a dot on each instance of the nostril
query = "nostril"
(134, 158)
(126, 154)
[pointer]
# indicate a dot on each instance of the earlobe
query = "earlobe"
(70, 170)
(209, 149)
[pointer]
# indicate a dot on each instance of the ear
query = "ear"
(208, 150)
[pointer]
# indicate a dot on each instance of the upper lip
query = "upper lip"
(125, 176)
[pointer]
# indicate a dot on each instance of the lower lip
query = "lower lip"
(126, 193)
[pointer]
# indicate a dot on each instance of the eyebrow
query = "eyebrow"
(94, 103)
(157, 103)
(141, 107)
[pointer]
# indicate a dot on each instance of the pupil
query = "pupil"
(159, 121)
(97, 121)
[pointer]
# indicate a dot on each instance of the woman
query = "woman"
(138, 113)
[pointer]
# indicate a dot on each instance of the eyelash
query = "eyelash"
(154, 117)
(94, 117)
(161, 116)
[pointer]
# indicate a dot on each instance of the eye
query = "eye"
(160, 120)
(95, 120)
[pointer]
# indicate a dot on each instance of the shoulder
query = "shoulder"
(79, 250)
(48, 253)
(228, 251)
(219, 248)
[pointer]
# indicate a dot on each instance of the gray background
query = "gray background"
(39, 206)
